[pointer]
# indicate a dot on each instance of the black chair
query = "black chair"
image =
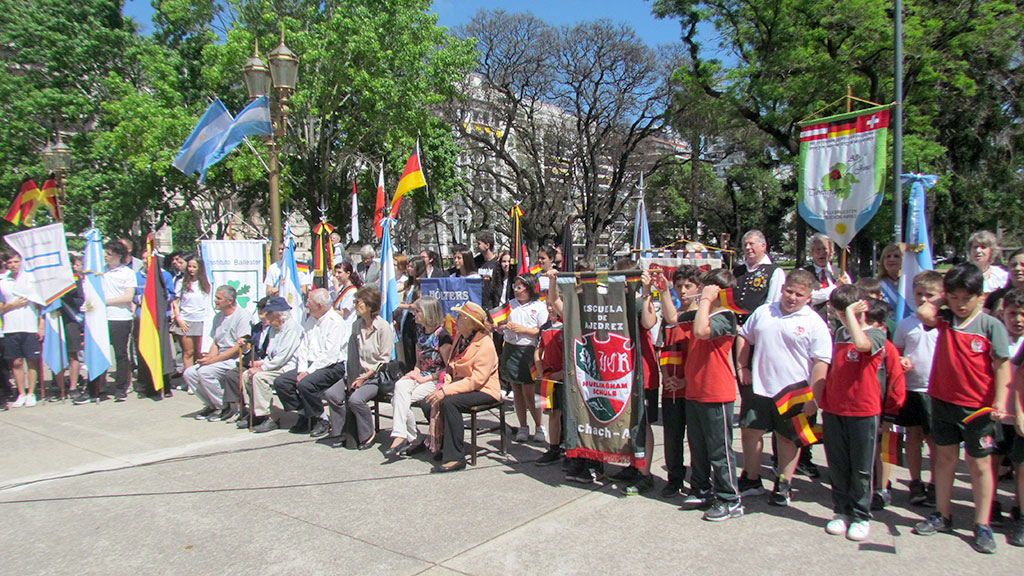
(473, 411)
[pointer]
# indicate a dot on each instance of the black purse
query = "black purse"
(386, 376)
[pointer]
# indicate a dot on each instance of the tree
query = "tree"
(561, 121)
(794, 57)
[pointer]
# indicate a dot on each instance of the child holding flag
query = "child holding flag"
(851, 403)
(792, 349)
(970, 374)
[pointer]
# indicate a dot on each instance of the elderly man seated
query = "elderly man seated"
(229, 324)
(284, 337)
(321, 363)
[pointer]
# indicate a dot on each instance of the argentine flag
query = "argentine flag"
(388, 282)
(54, 344)
(253, 120)
(202, 141)
(917, 254)
(291, 289)
(96, 346)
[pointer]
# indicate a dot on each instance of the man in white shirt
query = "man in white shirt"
(784, 344)
(229, 324)
(321, 363)
(272, 280)
(23, 329)
(119, 284)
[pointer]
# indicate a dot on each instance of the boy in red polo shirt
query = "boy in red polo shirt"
(969, 372)
(851, 402)
(710, 394)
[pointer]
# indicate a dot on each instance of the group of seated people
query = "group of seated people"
(329, 370)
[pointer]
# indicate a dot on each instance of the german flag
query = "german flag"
(725, 296)
(28, 195)
(48, 196)
(547, 394)
(801, 432)
(151, 312)
(323, 253)
(670, 357)
(412, 178)
(793, 396)
(501, 313)
(891, 448)
(533, 372)
(535, 269)
(977, 414)
(449, 325)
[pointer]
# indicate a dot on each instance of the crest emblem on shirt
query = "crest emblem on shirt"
(604, 374)
(977, 346)
(853, 355)
(800, 330)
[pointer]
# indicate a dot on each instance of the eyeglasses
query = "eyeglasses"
(518, 287)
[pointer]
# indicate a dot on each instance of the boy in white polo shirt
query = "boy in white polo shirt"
(22, 333)
(916, 344)
(791, 344)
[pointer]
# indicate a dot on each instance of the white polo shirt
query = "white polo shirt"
(24, 319)
(917, 343)
(115, 282)
(532, 315)
(785, 347)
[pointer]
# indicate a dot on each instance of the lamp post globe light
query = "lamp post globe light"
(276, 80)
(57, 160)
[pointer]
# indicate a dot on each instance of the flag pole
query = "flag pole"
(897, 131)
(849, 108)
(433, 201)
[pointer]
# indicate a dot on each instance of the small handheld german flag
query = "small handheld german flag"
(725, 296)
(793, 396)
(801, 432)
(892, 447)
(546, 391)
(977, 414)
(501, 313)
(670, 357)
(535, 269)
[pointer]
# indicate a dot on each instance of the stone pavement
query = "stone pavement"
(143, 488)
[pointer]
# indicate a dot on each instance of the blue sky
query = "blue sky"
(636, 13)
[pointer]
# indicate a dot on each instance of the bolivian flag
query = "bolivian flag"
(152, 312)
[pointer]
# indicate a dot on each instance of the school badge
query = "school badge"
(604, 374)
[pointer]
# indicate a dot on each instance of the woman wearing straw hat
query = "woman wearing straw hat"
(471, 380)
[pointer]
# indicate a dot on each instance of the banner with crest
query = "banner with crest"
(603, 367)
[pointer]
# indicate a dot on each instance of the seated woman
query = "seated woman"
(369, 348)
(433, 345)
(472, 380)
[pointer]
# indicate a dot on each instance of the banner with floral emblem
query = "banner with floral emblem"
(842, 171)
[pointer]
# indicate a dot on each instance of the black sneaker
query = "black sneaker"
(552, 456)
(781, 493)
(302, 426)
(929, 495)
(579, 472)
(983, 541)
(880, 499)
(84, 399)
(918, 494)
(672, 488)
(626, 475)
(750, 487)
(933, 525)
(640, 485)
(205, 413)
(222, 415)
(722, 510)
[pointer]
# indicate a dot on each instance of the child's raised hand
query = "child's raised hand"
(859, 307)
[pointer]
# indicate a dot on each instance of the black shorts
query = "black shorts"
(515, 363)
(979, 436)
(916, 411)
(758, 412)
(651, 405)
(73, 337)
(1004, 444)
(21, 345)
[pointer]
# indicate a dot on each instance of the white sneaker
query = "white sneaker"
(19, 402)
(859, 530)
(838, 524)
(523, 434)
(30, 400)
(540, 435)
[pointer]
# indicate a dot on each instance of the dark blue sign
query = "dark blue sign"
(452, 292)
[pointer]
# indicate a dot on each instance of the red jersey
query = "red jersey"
(551, 358)
(652, 374)
(962, 372)
(673, 357)
(709, 373)
(852, 387)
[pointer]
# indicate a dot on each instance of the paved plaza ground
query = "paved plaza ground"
(142, 488)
